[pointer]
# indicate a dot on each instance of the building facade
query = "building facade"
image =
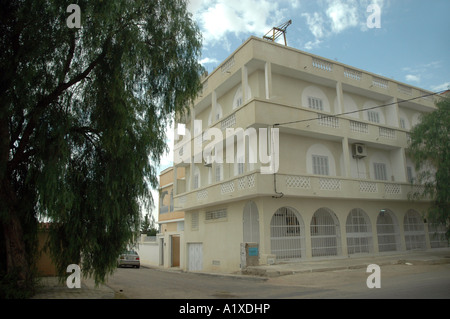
(315, 164)
(171, 221)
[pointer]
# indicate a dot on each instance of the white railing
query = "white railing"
(387, 132)
(229, 121)
(329, 121)
(322, 65)
(352, 74)
(359, 127)
(404, 89)
(379, 82)
(330, 184)
(227, 65)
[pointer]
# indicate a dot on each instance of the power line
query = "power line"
(357, 111)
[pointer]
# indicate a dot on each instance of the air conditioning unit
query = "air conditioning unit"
(208, 161)
(359, 150)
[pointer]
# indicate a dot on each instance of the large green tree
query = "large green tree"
(430, 150)
(83, 118)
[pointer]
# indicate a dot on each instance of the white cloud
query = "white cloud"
(412, 78)
(343, 15)
(441, 87)
(336, 17)
(315, 24)
(220, 18)
(208, 61)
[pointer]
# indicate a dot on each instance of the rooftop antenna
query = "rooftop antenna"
(276, 32)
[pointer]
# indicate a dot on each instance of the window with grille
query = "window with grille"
(315, 103)
(218, 172)
(194, 221)
(287, 235)
(217, 214)
(359, 233)
(196, 181)
(380, 171)
(320, 165)
(238, 102)
(373, 116)
(402, 123)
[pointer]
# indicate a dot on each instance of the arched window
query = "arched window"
(238, 99)
(387, 231)
(320, 161)
(287, 234)
(197, 181)
(414, 230)
(325, 234)
(314, 98)
(359, 232)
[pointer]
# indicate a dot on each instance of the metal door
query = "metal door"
(195, 256)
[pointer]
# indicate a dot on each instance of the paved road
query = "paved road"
(397, 281)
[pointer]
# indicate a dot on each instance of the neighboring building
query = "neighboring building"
(342, 183)
(171, 221)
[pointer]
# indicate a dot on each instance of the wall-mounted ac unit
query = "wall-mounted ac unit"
(359, 150)
(208, 161)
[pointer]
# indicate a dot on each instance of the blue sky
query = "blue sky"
(412, 45)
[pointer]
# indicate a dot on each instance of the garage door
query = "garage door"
(195, 256)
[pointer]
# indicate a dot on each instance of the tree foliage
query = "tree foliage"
(83, 119)
(430, 150)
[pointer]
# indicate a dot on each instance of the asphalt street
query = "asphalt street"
(397, 282)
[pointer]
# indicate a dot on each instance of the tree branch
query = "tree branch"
(69, 58)
(43, 103)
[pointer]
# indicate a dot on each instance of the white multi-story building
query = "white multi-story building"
(337, 140)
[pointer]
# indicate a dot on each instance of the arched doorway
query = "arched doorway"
(325, 234)
(387, 231)
(414, 230)
(359, 232)
(251, 223)
(287, 234)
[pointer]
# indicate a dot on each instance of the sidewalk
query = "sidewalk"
(51, 288)
(429, 257)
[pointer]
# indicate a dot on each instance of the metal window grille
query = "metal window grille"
(217, 214)
(380, 171)
(373, 116)
(414, 231)
(287, 235)
(388, 233)
(359, 232)
(320, 165)
(325, 236)
(194, 221)
(315, 103)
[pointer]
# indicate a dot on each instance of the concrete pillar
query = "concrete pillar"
(268, 79)
(340, 98)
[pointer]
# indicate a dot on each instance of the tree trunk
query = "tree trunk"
(16, 259)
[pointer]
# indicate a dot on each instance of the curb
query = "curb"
(272, 273)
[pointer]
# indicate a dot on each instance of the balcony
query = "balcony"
(255, 184)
